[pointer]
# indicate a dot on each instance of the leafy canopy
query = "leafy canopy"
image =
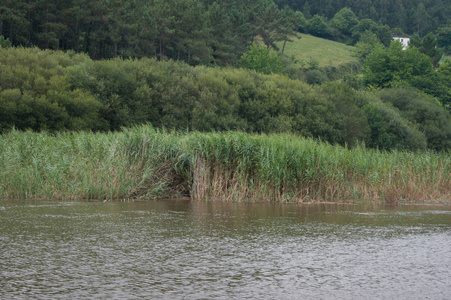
(344, 20)
(262, 60)
(394, 66)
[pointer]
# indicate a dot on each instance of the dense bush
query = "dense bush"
(36, 94)
(262, 60)
(56, 91)
(317, 26)
(423, 111)
(393, 66)
(389, 129)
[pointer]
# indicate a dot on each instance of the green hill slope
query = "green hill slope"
(325, 52)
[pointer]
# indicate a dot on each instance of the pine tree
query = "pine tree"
(428, 45)
(422, 19)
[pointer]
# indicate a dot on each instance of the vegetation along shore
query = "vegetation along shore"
(253, 100)
(144, 162)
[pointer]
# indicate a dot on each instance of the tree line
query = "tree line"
(198, 32)
(411, 16)
(351, 21)
(209, 32)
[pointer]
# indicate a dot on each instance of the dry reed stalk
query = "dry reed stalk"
(201, 179)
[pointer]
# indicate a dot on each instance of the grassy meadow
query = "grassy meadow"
(143, 162)
(445, 58)
(325, 52)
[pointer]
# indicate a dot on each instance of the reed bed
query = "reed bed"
(143, 162)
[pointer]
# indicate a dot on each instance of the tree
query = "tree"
(229, 36)
(301, 22)
(344, 21)
(444, 38)
(290, 24)
(395, 66)
(444, 76)
(4, 43)
(424, 111)
(268, 21)
(317, 26)
(191, 31)
(396, 14)
(422, 19)
(381, 31)
(53, 25)
(13, 21)
(262, 60)
(367, 43)
(306, 10)
(428, 46)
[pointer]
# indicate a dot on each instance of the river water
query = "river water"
(196, 250)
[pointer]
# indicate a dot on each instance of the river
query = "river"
(208, 250)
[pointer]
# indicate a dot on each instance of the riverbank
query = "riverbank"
(143, 162)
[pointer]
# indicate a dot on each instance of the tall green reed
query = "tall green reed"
(143, 162)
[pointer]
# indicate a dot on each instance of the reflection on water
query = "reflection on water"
(192, 250)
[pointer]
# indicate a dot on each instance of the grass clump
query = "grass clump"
(143, 162)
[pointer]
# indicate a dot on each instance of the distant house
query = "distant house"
(403, 39)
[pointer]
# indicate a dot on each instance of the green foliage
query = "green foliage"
(262, 60)
(392, 66)
(315, 76)
(344, 21)
(35, 93)
(380, 138)
(142, 162)
(197, 32)
(317, 26)
(290, 23)
(229, 33)
(445, 68)
(436, 85)
(423, 20)
(428, 46)
(217, 106)
(57, 91)
(269, 24)
(444, 38)
(352, 119)
(365, 26)
(203, 32)
(367, 43)
(301, 22)
(409, 16)
(424, 112)
(389, 129)
(4, 43)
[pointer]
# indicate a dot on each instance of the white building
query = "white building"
(403, 39)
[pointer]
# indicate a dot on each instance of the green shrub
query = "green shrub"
(424, 112)
(4, 43)
(57, 91)
(262, 60)
(389, 130)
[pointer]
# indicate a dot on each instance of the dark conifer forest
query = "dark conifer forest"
(206, 31)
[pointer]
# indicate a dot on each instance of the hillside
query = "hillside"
(325, 52)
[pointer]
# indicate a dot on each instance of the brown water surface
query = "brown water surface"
(198, 250)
